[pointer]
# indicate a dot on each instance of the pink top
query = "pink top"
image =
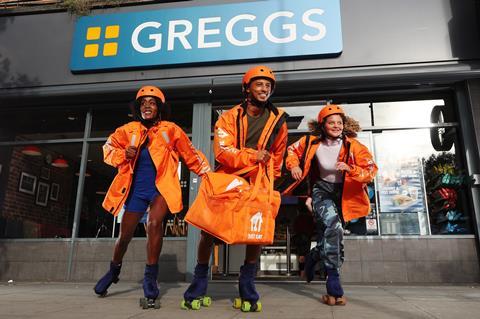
(327, 156)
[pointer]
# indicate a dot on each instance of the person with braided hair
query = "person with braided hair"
(146, 153)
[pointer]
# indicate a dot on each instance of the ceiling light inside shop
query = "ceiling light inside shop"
(60, 162)
(32, 150)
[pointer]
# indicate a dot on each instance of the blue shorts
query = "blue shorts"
(143, 190)
(138, 202)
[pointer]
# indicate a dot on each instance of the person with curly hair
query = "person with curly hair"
(339, 168)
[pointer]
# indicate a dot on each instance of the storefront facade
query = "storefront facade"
(407, 71)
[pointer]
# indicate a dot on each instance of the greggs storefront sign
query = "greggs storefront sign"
(229, 32)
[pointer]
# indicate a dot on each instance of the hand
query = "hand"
(130, 152)
(308, 203)
(263, 156)
(341, 166)
(296, 173)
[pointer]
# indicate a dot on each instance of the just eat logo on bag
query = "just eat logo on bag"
(256, 226)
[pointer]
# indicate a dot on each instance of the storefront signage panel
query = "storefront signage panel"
(228, 32)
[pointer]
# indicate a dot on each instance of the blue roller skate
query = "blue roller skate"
(101, 288)
(195, 297)
(150, 288)
(248, 301)
(334, 296)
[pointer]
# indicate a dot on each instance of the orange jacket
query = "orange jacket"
(230, 137)
(166, 143)
(355, 201)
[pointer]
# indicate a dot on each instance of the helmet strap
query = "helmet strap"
(252, 100)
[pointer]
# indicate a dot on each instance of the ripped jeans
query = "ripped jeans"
(326, 202)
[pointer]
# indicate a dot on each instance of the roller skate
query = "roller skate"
(150, 288)
(248, 301)
(334, 296)
(195, 297)
(101, 288)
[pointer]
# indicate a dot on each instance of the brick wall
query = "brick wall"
(25, 218)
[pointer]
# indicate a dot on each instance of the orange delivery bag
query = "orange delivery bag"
(230, 208)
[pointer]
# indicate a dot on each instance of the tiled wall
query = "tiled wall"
(23, 260)
(367, 260)
(410, 260)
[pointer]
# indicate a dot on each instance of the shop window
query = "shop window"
(361, 112)
(38, 190)
(405, 113)
(421, 190)
(107, 120)
(96, 222)
(42, 124)
(420, 186)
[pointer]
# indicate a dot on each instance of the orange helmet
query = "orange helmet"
(150, 91)
(260, 71)
(329, 110)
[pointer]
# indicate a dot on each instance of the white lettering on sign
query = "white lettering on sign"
(156, 37)
(253, 31)
(181, 30)
(292, 28)
(322, 31)
(180, 35)
(202, 32)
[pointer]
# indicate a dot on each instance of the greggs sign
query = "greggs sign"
(229, 32)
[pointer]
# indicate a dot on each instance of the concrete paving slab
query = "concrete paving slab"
(280, 300)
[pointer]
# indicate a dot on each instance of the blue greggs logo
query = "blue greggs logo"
(206, 34)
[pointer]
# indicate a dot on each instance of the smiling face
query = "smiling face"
(148, 108)
(334, 125)
(260, 89)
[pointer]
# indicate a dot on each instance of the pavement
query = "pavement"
(280, 300)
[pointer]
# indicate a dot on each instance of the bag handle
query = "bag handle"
(260, 177)
(257, 182)
(245, 170)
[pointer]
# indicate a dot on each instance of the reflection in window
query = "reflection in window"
(105, 121)
(37, 190)
(404, 113)
(420, 186)
(420, 189)
(42, 124)
(96, 222)
(299, 116)
(400, 178)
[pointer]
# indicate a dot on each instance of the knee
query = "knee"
(155, 224)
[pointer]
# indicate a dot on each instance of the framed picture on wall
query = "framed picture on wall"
(42, 194)
(54, 190)
(27, 183)
(45, 173)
